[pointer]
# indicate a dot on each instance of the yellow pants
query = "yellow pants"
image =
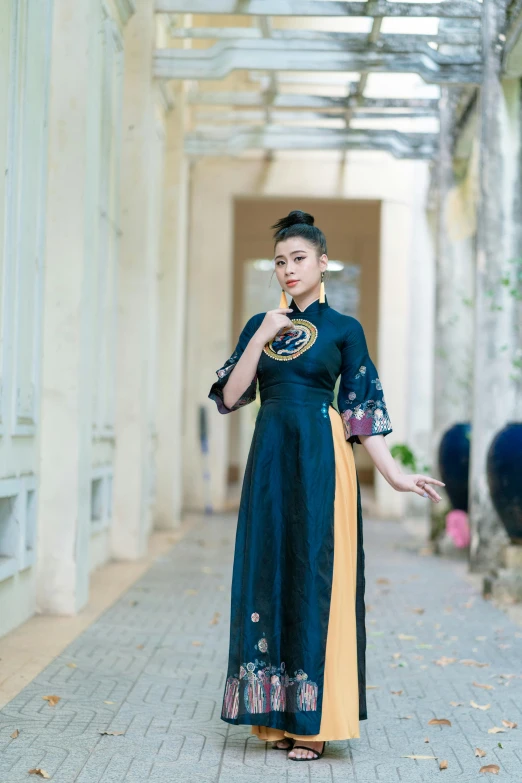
(340, 712)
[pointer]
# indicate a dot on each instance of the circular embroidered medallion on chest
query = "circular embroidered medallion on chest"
(292, 343)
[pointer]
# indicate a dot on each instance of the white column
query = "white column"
(141, 190)
(172, 308)
(394, 319)
(453, 362)
(65, 416)
(494, 401)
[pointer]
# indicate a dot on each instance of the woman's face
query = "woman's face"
(297, 266)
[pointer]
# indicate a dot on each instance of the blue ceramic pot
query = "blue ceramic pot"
(454, 451)
(504, 469)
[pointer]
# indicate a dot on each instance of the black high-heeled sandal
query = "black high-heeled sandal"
(289, 747)
(316, 753)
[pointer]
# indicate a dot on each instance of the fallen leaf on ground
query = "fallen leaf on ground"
(443, 765)
(444, 661)
(456, 703)
(39, 771)
(371, 687)
(215, 619)
(425, 646)
(140, 646)
(15, 734)
(396, 655)
(108, 702)
(503, 646)
(471, 662)
(439, 722)
(369, 608)
(493, 769)
(481, 638)
(426, 739)
(481, 685)
(133, 603)
(196, 644)
(112, 733)
(507, 676)
(72, 666)
(418, 610)
(479, 706)
(382, 581)
(419, 657)
(509, 724)
(396, 693)
(480, 753)
(425, 551)
(406, 717)
(405, 637)
(418, 757)
(495, 730)
(469, 604)
(52, 700)
(191, 591)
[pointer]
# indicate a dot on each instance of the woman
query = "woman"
(296, 670)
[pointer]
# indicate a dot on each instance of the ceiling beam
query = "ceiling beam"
(297, 101)
(457, 37)
(233, 141)
(464, 9)
(221, 59)
(243, 115)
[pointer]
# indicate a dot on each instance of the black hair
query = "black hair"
(300, 224)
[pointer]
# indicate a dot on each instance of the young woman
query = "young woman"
(296, 670)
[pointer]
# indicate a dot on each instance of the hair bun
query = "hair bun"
(294, 218)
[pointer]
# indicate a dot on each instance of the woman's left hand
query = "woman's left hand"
(416, 482)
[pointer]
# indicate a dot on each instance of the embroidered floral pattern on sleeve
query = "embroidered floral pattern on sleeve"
(366, 418)
(216, 391)
(262, 688)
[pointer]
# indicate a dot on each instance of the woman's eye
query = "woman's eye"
(299, 258)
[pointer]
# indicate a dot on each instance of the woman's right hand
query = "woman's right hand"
(274, 321)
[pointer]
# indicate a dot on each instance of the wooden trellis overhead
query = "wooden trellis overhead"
(461, 9)
(270, 117)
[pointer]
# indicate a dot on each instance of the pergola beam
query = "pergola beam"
(233, 141)
(464, 9)
(243, 115)
(220, 60)
(458, 37)
(297, 101)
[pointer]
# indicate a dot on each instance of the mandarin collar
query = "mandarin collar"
(313, 307)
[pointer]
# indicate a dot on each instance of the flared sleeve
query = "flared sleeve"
(216, 390)
(360, 398)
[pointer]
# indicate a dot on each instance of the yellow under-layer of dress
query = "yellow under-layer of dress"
(340, 712)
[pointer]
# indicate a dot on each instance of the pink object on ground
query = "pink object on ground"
(457, 527)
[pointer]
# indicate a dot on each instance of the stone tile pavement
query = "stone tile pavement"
(152, 668)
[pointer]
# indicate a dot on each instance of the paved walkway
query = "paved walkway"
(150, 672)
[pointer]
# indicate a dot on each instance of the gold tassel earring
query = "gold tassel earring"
(321, 292)
(283, 302)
